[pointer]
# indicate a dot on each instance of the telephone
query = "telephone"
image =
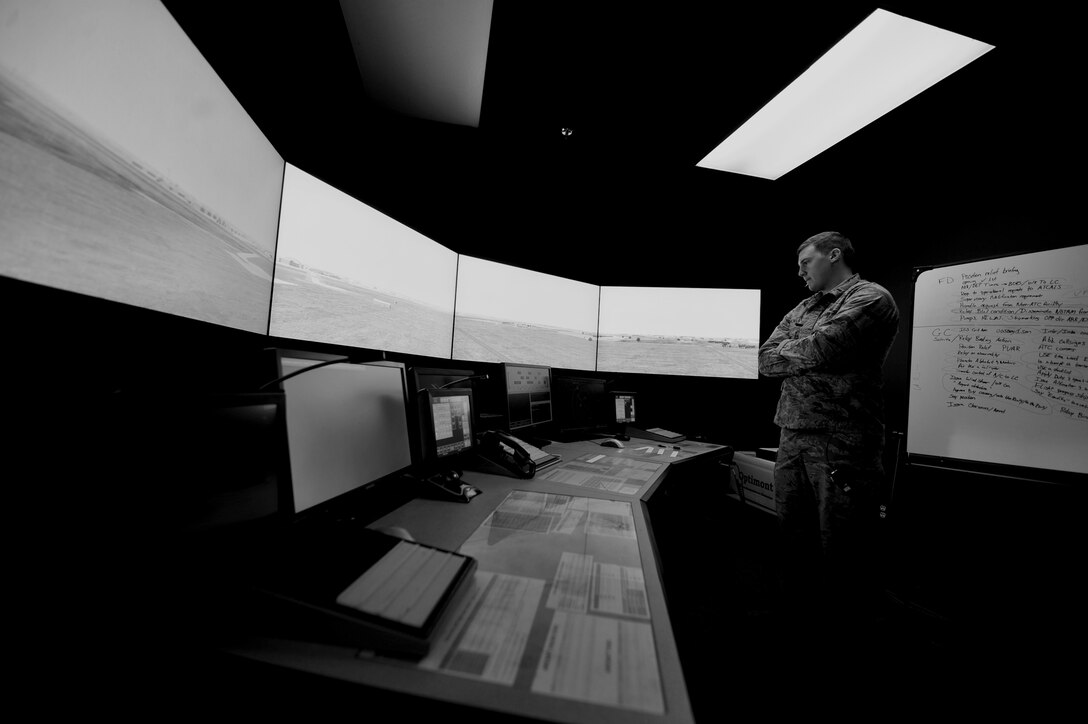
(508, 452)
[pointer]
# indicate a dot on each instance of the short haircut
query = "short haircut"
(825, 241)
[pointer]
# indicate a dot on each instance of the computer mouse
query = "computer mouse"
(612, 443)
(396, 530)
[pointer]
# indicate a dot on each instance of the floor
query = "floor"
(720, 580)
(913, 660)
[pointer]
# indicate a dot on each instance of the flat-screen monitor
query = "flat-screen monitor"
(451, 429)
(509, 314)
(347, 425)
(623, 407)
(219, 461)
(528, 395)
(348, 274)
(128, 170)
(580, 404)
(679, 331)
(430, 378)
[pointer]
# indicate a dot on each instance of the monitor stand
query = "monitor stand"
(442, 479)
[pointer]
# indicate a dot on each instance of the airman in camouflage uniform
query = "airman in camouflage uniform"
(829, 351)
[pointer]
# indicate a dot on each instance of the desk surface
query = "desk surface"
(566, 619)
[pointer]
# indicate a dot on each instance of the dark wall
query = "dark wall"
(955, 191)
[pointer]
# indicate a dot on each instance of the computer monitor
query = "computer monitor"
(130, 171)
(623, 405)
(378, 283)
(432, 378)
(510, 314)
(450, 427)
(679, 331)
(422, 379)
(347, 426)
(528, 396)
(580, 405)
(219, 460)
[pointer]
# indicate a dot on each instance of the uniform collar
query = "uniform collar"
(836, 291)
(845, 284)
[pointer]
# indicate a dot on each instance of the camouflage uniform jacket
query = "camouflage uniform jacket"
(830, 350)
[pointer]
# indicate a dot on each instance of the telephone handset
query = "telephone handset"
(508, 452)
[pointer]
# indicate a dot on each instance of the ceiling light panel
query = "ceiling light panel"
(882, 63)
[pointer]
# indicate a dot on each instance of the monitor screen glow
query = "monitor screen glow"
(679, 331)
(528, 395)
(451, 421)
(510, 314)
(348, 274)
(625, 407)
(128, 170)
(347, 426)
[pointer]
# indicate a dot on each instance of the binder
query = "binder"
(361, 588)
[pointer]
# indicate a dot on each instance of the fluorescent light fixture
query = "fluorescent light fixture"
(882, 63)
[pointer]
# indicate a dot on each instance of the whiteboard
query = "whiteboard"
(999, 361)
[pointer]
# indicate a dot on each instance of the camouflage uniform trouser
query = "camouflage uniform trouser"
(827, 522)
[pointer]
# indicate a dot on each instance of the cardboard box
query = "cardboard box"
(755, 477)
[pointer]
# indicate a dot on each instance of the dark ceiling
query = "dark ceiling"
(648, 89)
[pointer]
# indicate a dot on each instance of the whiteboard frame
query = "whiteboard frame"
(998, 470)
